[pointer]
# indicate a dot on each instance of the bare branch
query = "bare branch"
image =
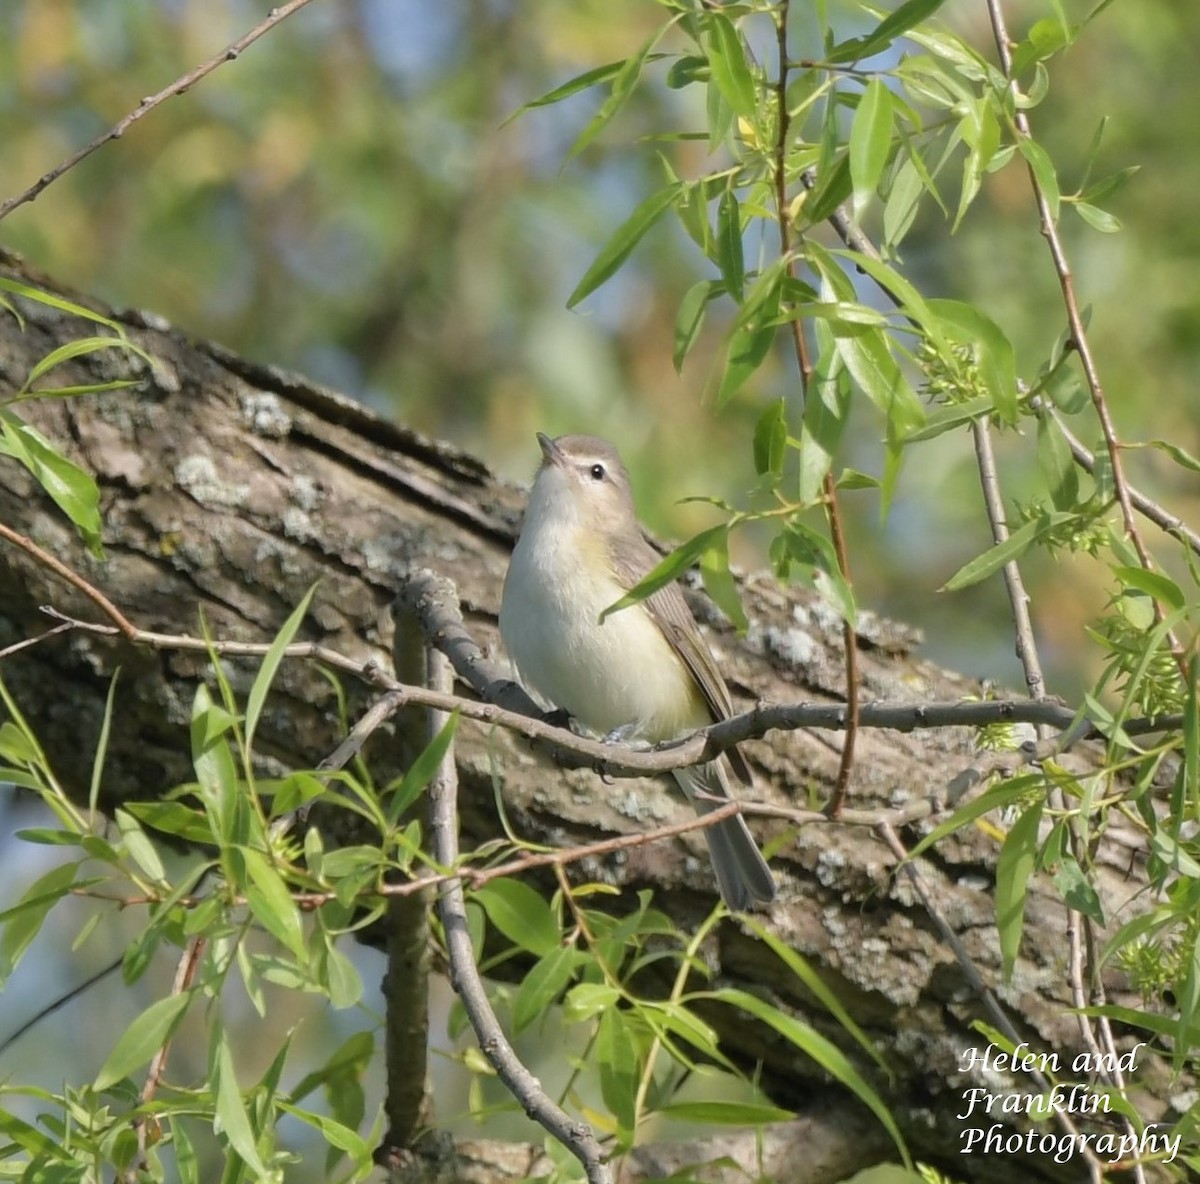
(574, 1134)
(1079, 337)
(1018, 599)
(833, 513)
(60, 569)
(988, 998)
(1167, 522)
(148, 104)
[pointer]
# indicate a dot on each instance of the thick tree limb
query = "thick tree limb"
(229, 489)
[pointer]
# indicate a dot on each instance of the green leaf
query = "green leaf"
(1057, 464)
(813, 982)
(902, 203)
(748, 349)
(1043, 171)
(340, 978)
(624, 239)
(799, 546)
(420, 773)
(770, 441)
(964, 324)
(102, 743)
(834, 186)
(858, 49)
(53, 301)
(75, 349)
(690, 318)
(1013, 547)
(946, 419)
(271, 903)
(518, 912)
(142, 1039)
(720, 584)
(617, 1059)
(901, 289)
(670, 1019)
(687, 70)
(728, 244)
(140, 848)
(23, 921)
(730, 71)
(32, 1141)
(720, 1113)
(1013, 869)
(349, 1060)
(187, 1163)
(1162, 588)
(980, 131)
(270, 664)
(579, 83)
(1180, 456)
(669, 569)
(996, 797)
(73, 490)
(231, 1117)
(542, 985)
(877, 374)
(826, 1054)
(826, 413)
(625, 81)
(1078, 891)
(870, 142)
(1108, 186)
(1174, 856)
(585, 1001)
(1097, 218)
(335, 1133)
(173, 818)
(215, 768)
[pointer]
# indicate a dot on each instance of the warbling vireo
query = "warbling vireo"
(645, 672)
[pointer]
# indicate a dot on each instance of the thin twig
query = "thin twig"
(1167, 522)
(574, 1134)
(1018, 599)
(50, 1008)
(148, 104)
(77, 581)
(1079, 337)
(185, 975)
(18, 646)
(804, 364)
(998, 1016)
(1082, 346)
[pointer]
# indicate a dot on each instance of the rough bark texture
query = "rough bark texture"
(229, 488)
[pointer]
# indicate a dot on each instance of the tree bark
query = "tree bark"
(229, 488)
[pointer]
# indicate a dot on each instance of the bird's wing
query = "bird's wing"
(669, 611)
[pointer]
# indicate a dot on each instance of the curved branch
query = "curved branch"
(574, 1134)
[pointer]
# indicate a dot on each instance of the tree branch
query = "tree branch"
(178, 87)
(574, 1134)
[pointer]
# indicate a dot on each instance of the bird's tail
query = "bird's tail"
(742, 873)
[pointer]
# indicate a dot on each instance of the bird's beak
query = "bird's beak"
(551, 453)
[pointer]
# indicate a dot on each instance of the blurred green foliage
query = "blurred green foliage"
(346, 199)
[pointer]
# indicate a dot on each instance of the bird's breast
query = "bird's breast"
(607, 675)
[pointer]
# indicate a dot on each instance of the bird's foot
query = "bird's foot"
(624, 735)
(558, 718)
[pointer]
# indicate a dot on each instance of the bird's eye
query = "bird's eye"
(597, 472)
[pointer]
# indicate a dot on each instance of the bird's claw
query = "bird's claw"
(622, 735)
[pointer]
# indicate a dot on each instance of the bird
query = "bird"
(644, 673)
